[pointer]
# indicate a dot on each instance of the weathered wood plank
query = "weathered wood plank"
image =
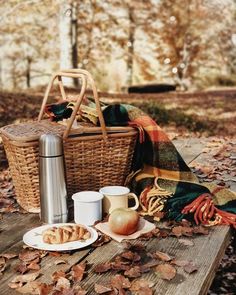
(206, 254)
(14, 226)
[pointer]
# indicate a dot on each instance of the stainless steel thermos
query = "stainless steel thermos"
(53, 196)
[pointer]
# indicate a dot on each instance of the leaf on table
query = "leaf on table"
(62, 283)
(15, 285)
(133, 272)
(22, 268)
(8, 255)
(186, 242)
(33, 266)
(146, 236)
(102, 239)
(147, 266)
(165, 271)
(200, 230)
(120, 265)
(58, 274)
(132, 256)
(162, 256)
(190, 267)
(141, 287)
(60, 261)
(78, 270)
(28, 255)
(26, 278)
(35, 288)
(54, 254)
(101, 289)
(3, 264)
(119, 281)
(179, 262)
(178, 231)
(102, 267)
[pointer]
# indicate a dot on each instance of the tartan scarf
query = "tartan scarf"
(164, 183)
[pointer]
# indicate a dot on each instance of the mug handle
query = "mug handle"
(132, 195)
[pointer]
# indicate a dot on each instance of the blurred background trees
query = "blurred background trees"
(191, 43)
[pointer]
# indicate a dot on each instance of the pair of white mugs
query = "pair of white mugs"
(89, 205)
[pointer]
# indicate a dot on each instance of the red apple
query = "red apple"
(123, 221)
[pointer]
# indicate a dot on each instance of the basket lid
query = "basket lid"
(32, 130)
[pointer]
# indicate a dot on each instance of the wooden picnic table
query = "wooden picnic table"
(206, 252)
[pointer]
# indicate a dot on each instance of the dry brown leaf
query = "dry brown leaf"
(78, 270)
(58, 274)
(103, 239)
(136, 285)
(30, 288)
(132, 256)
(15, 285)
(22, 268)
(8, 255)
(133, 272)
(186, 242)
(29, 255)
(137, 247)
(200, 230)
(119, 281)
(162, 256)
(102, 267)
(101, 289)
(62, 283)
(179, 262)
(190, 267)
(60, 261)
(166, 271)
(3, 264)
(33, 266)
(26, 278)
(147, 266)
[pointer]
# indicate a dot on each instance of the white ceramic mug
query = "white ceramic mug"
(117, 197)
(87, 207)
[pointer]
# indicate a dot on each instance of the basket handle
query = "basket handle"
(84, 75)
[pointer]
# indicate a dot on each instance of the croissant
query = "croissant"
(64, 234)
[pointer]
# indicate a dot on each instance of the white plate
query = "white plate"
(34, 239)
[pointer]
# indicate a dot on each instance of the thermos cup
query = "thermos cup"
(53, 195)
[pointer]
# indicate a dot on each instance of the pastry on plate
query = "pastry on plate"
(65, 233)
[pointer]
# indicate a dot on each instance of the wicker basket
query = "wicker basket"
(94, 156)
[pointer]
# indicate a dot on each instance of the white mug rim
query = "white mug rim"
(114, 190)
(87, 197)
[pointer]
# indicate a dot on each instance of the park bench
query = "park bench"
(206, 252)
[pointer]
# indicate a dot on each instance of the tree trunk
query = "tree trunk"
(68, 38)
(130, 47)
(28, 70)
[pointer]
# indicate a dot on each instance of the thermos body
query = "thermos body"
(53, 195)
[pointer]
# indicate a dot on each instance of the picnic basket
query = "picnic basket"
(95, 156)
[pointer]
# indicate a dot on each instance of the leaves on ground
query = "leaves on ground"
(165, 271)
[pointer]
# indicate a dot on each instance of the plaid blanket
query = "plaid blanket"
(164, 183)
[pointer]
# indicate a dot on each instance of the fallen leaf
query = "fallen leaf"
(103, 239)
(186, 242)
(132, 256)
(179, 262)
(60, 261)
(26, 278)
(190, 267)
(22, 268)
(29, 255)
(33, 266)
(100, 289)
(137, 247)
(78, 270)
(102, 267)
(2, 264)
(62, 283)
(165, 271)
(119, 281)
(15, 285)
(141, 287)
(8, 255)
(30, 288)
(58, 274)
(162, 256)
(147, 266)
(200, 230)
(133, 272)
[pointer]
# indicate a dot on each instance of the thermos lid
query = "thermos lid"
(50, 145)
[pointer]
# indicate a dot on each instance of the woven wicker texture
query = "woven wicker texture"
(94, 157)
(90, 163)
